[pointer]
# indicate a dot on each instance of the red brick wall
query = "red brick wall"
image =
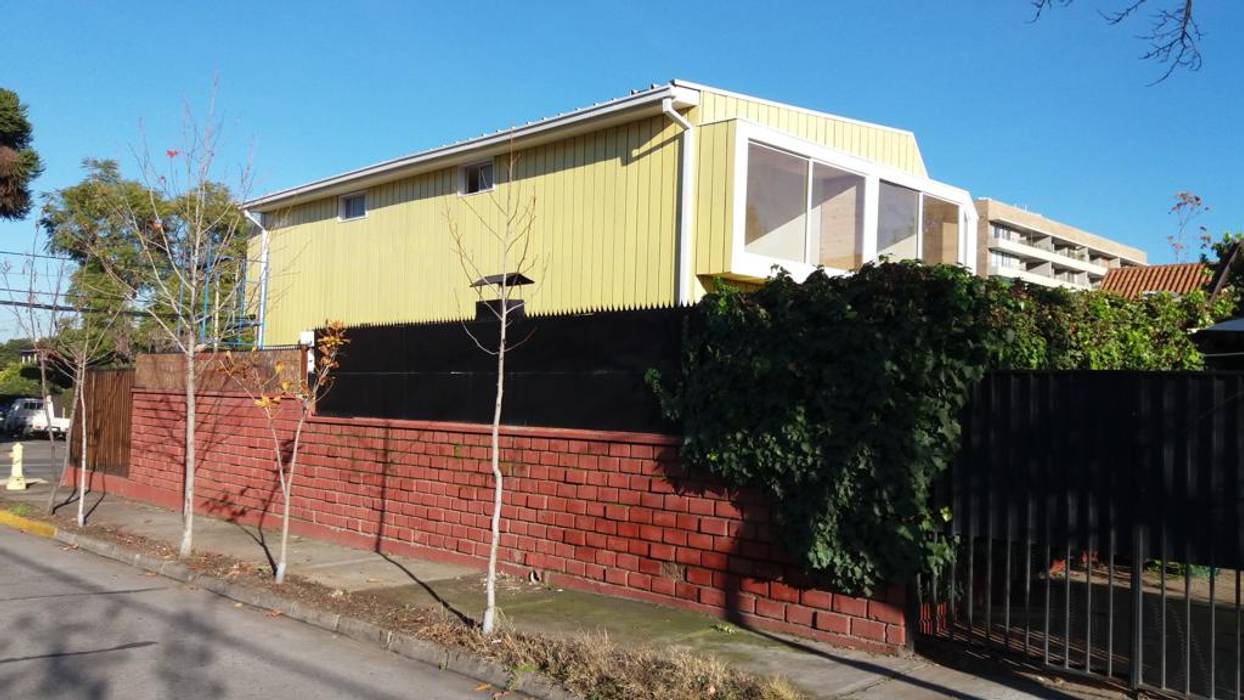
(608, 512)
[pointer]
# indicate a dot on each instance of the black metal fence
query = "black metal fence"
(569, 370)
(1098, 520)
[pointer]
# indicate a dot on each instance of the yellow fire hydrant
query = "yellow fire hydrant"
(17, 481)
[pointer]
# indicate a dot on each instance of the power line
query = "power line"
(72, 260)
(104, 297)
(36, 255)
(67, 309)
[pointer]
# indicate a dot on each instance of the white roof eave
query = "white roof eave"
(591, 118)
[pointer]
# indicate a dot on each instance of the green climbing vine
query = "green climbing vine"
(840, 397)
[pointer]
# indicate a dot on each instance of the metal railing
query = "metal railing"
(1096, 516)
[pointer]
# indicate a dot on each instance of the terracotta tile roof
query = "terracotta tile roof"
(1179, 278)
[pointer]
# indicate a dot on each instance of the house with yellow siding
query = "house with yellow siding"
(644, 200)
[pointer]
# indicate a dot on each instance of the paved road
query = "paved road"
(74, 625)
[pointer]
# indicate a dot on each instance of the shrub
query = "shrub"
(840, 397)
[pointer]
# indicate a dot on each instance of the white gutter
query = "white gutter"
(686, 191)
(263, 274)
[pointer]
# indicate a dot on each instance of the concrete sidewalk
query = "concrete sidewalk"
(823, 671)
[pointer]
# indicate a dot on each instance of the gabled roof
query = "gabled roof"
(681, 94)
(596, 116)
(1179, 278)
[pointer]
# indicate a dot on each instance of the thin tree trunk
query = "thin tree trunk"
(48, 415)
(82, 475)
(490, 609)
(280, 565)
(187, 512)
(64, 463)
(288, 493)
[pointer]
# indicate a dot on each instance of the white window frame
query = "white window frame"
(462, 177)
(341, 206)
(754, 265)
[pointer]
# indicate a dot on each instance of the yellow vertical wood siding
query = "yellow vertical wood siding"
(714, 200)
(603, 237)
(877, 143)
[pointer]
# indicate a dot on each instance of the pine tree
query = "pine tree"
(19, 163)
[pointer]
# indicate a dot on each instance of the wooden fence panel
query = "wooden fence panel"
(109, 402)
(165, 371)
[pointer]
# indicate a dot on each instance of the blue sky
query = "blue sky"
(1055, 116)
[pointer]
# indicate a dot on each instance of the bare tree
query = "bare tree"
(506, 243)
(80, 344)
(35, 299)
(270, 386)
(186, 240)
(1187, 208)
(1174, 37)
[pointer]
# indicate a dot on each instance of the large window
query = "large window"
(940, 228)
(799, 206)
(777, 203)
(1004, 261)
(837, 218)
(818, 221)
(1002, 233)
(896, 222)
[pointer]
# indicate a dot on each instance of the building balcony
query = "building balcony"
(1035, 254)
(1034, 278)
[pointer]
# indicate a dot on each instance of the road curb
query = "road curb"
(407, 646)
(33, 527)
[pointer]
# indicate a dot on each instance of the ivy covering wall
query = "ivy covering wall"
(840, 397)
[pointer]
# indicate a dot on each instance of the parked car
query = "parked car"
(27, 416)
(5, 406)
(7, 414)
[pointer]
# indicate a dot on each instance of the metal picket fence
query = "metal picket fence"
(1097, 519)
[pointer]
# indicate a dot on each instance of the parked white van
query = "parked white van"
(28, 416)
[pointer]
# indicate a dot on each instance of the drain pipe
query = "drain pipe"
(686, 190)
(263, 275)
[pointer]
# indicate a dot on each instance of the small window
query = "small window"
(477, 178)
(353, 206)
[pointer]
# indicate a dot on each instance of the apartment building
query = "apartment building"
(1020, 244)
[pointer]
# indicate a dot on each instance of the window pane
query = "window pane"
(478, 178)
(941, 232)
(896, 222)
(837, 218)
(776, 202)
(1004, 261)
(353, 207)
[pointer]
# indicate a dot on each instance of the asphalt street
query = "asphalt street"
(74, 625)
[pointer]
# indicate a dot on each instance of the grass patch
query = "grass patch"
(21, 509)
(596, 668)
(1177, 569)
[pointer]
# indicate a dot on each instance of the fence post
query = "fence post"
(1138, 602)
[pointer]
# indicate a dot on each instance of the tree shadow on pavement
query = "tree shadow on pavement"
(188, 663)
(382, 521)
